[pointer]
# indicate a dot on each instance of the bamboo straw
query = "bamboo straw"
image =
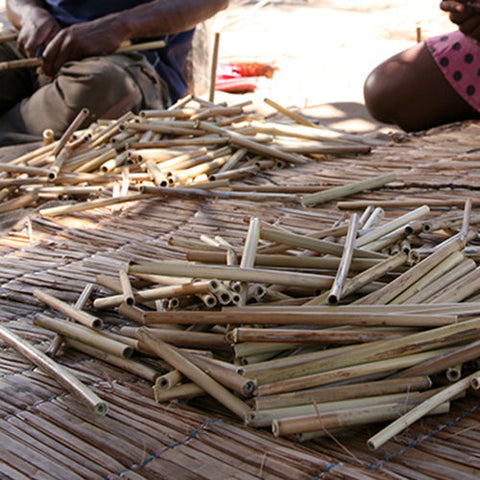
(82, 206)
(264, 418)
(19, 202)
(168, 380)
(354, 417)
(243, 142)
(132, 366)
(359, 370)
(294, 116)
(449, 263)
(79, 304)
(127, 291)
(461, 289)
(347, 190)
(336, 291)
(178, 392)
(343, 392)
(406, 203)
(323, 336)
(321, 246)
(407, 279)
(68, 310)
(299, 318)
(465, 353)
(83, 334)
(204, 381)
(232, 273)
(59, 373)
(401, 221)
(364, 278)
(37, 62)
(421, 410)
(156, 293)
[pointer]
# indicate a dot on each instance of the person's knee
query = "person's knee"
(378, 95)
(105, 88)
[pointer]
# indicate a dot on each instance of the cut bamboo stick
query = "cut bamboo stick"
(347, 190)
(59, 373)
(355, 417)
(421, 410)
(80, 316)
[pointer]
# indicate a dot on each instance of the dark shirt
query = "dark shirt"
(169, 62)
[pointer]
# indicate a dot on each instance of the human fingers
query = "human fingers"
(452, 6)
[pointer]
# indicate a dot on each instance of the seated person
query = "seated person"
(434, 82)
(76, 41)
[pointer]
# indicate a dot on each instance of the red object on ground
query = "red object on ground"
(241, 77)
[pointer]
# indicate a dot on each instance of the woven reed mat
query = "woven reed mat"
(45, 434)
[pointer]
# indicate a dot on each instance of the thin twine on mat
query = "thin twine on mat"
(164, 449)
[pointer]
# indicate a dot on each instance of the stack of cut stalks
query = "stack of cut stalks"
(195, 145)
(309, 334)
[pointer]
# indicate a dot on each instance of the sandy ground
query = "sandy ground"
(323, 49)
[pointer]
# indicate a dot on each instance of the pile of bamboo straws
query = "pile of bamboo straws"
(309, 335)
(195, 145)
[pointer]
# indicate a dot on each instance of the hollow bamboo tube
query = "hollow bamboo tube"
(178, 392)
(70, 311)
(466, 219)
(194, 373)
(157, 293)
(387, 240)
(158, 177)
(321, 246)
(343, 392)
(225, 376)
(243, 142)
(292, 115)
(299, 317)
(398, 222)
(288, 261)
(19, 202)
(323, 336)
(346, 190)
(373, 219)
(183, 338)
(201, 169)
(462, 354)
(59, 373)
(364, 278)
(168, 380)
(264, 417)
(335, 293)
(453, 374)
(461, 289)
(468, 330)
(132, 366)
(328, 377)
(82, 206)
(232, 273)
(305, 132)
(421, 410)
(355, 417)
(233, 160)
(126, 286)
(407, 279)
(249, 349)
(428, 293)
(83, 334)
(4, 193)
(445, 266)
(79, 304)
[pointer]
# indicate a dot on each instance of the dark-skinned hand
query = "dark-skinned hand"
(465, 14)
(38, 28)
(95, 38)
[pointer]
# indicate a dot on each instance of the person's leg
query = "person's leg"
(108, 86)
(411, 91)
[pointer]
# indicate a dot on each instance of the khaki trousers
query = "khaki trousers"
(108, 86)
